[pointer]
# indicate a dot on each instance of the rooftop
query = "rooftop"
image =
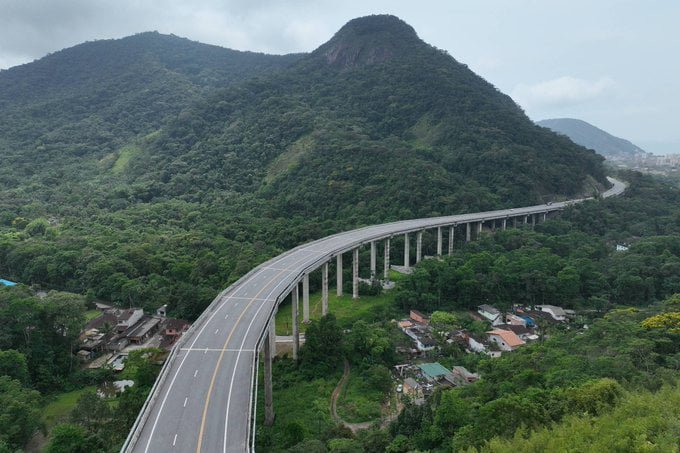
(6, 282)
(508, 336)
(489, 309)
(434, 370)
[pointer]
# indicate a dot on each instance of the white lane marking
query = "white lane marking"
(174, 441)
(233, 374)
(179, 368)
(226, 316)
(185, 401)
(216, 330)
(195, 373)
(236, 304)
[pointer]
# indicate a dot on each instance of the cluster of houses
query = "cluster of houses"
(508, 331)
(421, 379)
(116, 331)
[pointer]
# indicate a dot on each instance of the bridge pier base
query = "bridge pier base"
(373, 260)
(296, 326)
(272, 335)
(419, 246)
(269, 415)
(440, 241)
(355, 273)
(338, 277)
(386, 263)
(305, 299)
(407, 251)
(451, 233)
(324, 289)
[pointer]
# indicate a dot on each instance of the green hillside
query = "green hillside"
(154, 170)
(585, 134)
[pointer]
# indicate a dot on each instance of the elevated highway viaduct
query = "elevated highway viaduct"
(204, 397)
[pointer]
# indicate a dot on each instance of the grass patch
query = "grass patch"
(346, 310)
(60, 408)
(91, 314)
(358, 403)
(297, 399)
(126, 153)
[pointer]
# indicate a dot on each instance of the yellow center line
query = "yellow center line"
(219, 361)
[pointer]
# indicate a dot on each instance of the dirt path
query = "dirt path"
(334, 405)
(336, 393)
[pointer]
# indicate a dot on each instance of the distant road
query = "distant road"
(203, 398)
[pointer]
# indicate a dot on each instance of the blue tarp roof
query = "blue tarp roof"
(6, 282)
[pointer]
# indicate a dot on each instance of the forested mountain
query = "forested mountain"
(373, 109)
(154, 170)
(585, 134)
(75, 106)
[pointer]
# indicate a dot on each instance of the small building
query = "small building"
(128, 318)
(557, 313)
(162, 311)
(621, 248)
(434, 371)
(418, 317)
(6, 282)
(145, 329)
(521, 331)
(490, 313)
(405, 324)
(515, 320)
(412, 388)
(461, 374)
(425, 343)
(506, 340)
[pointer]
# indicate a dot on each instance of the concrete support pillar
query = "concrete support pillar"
(355, 273)
(296, 326)
(514, 222)
(479, 229)
(338, 278)
(533, 220)
(451, 233)
(545, 216)
(324, 289)
(407, 252)
(505, 224)
(373, 258)
(440, 244)
(268, 390)
(386, 264)
(468, 234)
(305, 299)
(526, 219)
(272, 335)
(419, 246)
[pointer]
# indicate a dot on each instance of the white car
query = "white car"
(400, 388)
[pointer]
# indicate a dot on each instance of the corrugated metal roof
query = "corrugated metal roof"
(434, 370)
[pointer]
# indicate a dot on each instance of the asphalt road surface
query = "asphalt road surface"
(203, 399)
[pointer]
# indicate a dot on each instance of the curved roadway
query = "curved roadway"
(203, 398)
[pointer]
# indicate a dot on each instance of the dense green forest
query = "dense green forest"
(599, 381)
(154, 170)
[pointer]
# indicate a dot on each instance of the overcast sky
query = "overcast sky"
(613, 63)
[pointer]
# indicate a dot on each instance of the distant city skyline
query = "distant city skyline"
(611, 63)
